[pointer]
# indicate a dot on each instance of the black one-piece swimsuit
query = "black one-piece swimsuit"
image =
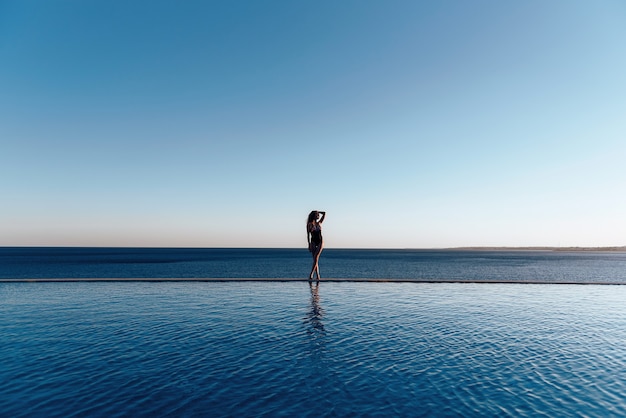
(316, 236)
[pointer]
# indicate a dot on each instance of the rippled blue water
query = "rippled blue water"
(581, 267)
(290, 349)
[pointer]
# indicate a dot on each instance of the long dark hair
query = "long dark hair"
(312, 217)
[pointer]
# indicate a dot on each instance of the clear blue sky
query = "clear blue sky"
(412, 123)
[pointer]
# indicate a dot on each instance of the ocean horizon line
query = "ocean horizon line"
(615, 248)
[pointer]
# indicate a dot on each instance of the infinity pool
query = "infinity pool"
(294, 349)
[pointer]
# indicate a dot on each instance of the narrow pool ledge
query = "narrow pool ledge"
(270, 279)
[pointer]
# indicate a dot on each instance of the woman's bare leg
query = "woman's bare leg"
(316, 268)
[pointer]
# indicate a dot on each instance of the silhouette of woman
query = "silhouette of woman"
(314, 238)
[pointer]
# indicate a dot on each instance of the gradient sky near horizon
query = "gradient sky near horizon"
(414, 124)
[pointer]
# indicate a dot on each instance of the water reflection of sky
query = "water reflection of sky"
(312, 349)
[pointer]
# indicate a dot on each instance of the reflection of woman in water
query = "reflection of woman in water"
(315, 315)
(314, 238)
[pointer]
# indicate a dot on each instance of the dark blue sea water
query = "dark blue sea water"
(232, 349)
(577, 267)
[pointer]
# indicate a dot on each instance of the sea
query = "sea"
(515, 334)
(437, 265)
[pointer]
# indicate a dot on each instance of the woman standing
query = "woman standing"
(314, 238)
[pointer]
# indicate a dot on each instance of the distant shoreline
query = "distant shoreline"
(563, 249)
